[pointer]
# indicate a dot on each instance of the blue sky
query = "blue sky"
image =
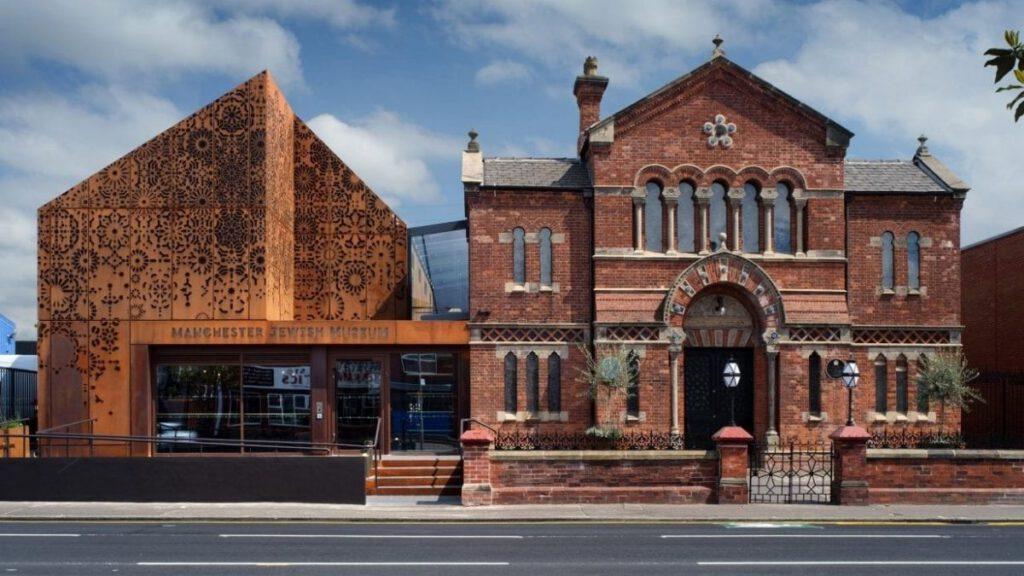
(394, 86)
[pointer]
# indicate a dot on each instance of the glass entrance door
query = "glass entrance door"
(422, 391)
(357, 385)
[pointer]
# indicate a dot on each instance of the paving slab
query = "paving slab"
(448, 510)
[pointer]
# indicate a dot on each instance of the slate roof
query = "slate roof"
(535, 173)
(879, 176)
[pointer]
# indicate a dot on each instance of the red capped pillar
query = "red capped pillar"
(849, 467)
(476, 467)
(733, 444)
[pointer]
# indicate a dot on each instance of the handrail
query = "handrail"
(68, 425)
(464, 421)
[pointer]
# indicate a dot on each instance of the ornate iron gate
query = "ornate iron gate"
(791, 473)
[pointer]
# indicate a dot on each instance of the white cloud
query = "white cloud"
(343, 14)
(389, 154)
(501, 72)
(901, 75)
(134, 39)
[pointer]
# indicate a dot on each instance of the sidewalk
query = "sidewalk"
(407, 510)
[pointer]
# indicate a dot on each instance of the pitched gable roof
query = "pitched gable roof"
(535, 173)
(837, 135)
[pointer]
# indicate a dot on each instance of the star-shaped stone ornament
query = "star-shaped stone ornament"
(719, 132)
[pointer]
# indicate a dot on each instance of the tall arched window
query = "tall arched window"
(751, 222)
(684, 218)
(914, 261)
(554, 382)
(545, 257)
(511, 375)
(717, 215)
(814, 384)
(902, 400)
(652, 218)
(532, 382)
(783, 235)
(887, 273)
(633, 400)
(519, 256)
(922, 394)
(881, 385)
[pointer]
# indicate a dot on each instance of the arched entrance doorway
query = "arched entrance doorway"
(719, 329)
(723, 305)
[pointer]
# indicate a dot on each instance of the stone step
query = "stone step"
(424, 481)
(418, 491)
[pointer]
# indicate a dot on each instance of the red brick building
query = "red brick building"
(716, 218)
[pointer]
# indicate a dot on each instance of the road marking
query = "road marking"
(329, 564)
(40, 535)
(880, 536)
(390, 536)
(869, 563)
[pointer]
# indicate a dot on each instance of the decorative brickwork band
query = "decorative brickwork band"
(815, 334)
(629, 333)
(902, 336)
(733, 443)
(849, 471)
(509, 334)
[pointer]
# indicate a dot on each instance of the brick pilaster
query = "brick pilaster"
(849, 468)
(476, 467)
(733, 443)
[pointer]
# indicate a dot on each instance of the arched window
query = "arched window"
(519, 256)
(922, 394)
(881, 385)
(914, 261)
(511, 375)
(532, 382)
(814, 384)
(545, 257)
(751, 222)
(902, 401)
(717, 215)
(633, 400)
(554, 382)
(684, 218)
(887, 273)
(783, 237)
(652, 218)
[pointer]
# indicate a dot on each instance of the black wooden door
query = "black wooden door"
(707, 399)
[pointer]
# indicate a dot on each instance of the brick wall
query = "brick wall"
(945, 476)
(937, 220)
(993, 310)
(603, 477)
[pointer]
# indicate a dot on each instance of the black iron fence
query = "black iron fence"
(17, 395)
(791, 473)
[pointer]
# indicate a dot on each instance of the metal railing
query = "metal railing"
(465, 422)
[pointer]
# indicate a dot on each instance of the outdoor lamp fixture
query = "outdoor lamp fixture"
(851, 376)
(731, 379)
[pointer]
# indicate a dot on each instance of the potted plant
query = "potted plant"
(13, 438)
(607, 378)
(944, 378)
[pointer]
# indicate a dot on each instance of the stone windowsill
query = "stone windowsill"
(527, 416)
(814, 418)
(602, 455)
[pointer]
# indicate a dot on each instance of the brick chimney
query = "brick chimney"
(588, 89)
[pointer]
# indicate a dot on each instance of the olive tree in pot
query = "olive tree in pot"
(608, 376)
(943, 377)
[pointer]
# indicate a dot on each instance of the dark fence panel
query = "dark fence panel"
(17, 394)
(310, 479)
(998, 422)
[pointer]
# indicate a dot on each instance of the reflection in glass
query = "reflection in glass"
(750, 213)
(652, 218)
(357, 384)
(887, 250)
(195, 402)
(783, 237)
(914, 261)
(519, 256)
(545, 257)
(684, 218)
(717, 215)
(423, 388)
(276, 402)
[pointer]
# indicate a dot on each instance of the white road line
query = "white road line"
(869, 563)
(41, 535)
(383, 536)
(879, 536)
(340, 564)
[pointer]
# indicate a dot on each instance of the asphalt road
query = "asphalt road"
(88, 548)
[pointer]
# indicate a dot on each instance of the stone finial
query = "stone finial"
(922, 149)
(473, 145)
(590, 66)
(718, 51)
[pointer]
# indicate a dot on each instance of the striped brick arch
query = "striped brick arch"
(728, 270)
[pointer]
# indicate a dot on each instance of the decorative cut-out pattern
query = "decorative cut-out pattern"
(901, 336)
(501, 334)
(632, 333)
(815, 334)
(719, 132)
(236, 212)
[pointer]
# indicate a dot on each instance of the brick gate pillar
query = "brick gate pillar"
(476, 467)
(849, 467)
(733, 443)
